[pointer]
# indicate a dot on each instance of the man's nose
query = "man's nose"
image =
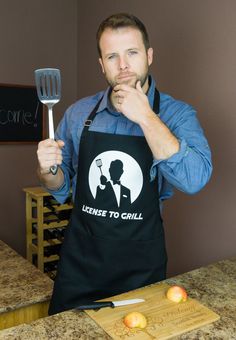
(123, 64)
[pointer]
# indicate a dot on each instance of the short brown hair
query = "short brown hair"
(122, 20)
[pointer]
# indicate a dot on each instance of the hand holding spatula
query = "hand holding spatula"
(48, 84)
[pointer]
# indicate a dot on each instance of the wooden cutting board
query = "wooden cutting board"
(165, 319)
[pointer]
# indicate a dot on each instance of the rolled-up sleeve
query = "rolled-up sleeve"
(190, 168)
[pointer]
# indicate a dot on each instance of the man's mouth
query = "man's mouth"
(125, 76)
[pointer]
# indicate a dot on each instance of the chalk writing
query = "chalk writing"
(16, 117)
(21, 114)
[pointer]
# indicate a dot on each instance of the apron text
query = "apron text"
(111, 214)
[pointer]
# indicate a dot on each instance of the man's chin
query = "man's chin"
(129, 82)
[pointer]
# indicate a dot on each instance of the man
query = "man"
(160, 143)
(113, 189)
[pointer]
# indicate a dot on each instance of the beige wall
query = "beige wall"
(194, 43)
(33, 34)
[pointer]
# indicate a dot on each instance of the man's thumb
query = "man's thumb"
(60, 143)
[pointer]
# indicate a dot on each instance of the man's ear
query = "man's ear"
(150, 55)
(101, 63)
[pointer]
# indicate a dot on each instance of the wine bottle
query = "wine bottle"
(59, 233)
(34, 228)
(50, 268)
(48, 234)
(50, 203)
(52, 250)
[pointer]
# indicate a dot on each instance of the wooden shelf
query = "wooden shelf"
(47, 243)
(51, 225)
(58, 208)
(43, 214)
(51, 258)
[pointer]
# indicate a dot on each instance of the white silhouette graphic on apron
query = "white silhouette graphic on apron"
(111, 176)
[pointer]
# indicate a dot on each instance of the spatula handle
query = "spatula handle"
(50, 123)
(53, 168)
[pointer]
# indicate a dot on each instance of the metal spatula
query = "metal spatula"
(99, 165)
(48, 84)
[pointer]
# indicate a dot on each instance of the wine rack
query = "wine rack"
(46, 222)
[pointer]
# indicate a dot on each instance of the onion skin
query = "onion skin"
(177, 294)
(135, 320)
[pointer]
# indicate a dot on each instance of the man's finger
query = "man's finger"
(120, 94)
(51, 143)
(60, 143)
(138, 86)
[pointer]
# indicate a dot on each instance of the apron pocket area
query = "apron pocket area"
(121, 265)
(92, 268)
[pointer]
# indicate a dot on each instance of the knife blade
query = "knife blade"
(111, 304)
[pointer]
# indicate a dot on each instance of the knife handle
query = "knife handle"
(96, 305)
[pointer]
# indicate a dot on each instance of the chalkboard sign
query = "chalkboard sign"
(21, 114)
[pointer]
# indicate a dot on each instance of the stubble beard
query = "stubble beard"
(132, 82)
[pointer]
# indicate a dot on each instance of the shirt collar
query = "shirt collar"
(107, 105)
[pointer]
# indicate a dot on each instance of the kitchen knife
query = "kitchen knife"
(112, 304)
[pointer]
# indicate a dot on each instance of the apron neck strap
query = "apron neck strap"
(91, 116)
(156, 104)
(88, 122)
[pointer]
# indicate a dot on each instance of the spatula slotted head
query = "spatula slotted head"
(99, 162)
(48, 84)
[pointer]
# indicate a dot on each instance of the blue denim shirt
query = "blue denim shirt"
(188, 170)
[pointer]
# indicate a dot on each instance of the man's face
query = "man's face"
(124, 59)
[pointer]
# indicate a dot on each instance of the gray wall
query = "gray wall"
(33, 34)
(194, 44)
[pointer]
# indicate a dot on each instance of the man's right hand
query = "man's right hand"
(49, 153)
(103, 180)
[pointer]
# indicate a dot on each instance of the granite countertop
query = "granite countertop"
(213, 285)
(63, 326)
(21, 283)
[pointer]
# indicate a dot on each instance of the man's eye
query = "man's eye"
(111, 57)
(132, 52)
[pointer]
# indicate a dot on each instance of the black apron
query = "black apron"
(115, 240)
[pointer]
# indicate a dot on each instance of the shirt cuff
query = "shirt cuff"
(62, 193)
